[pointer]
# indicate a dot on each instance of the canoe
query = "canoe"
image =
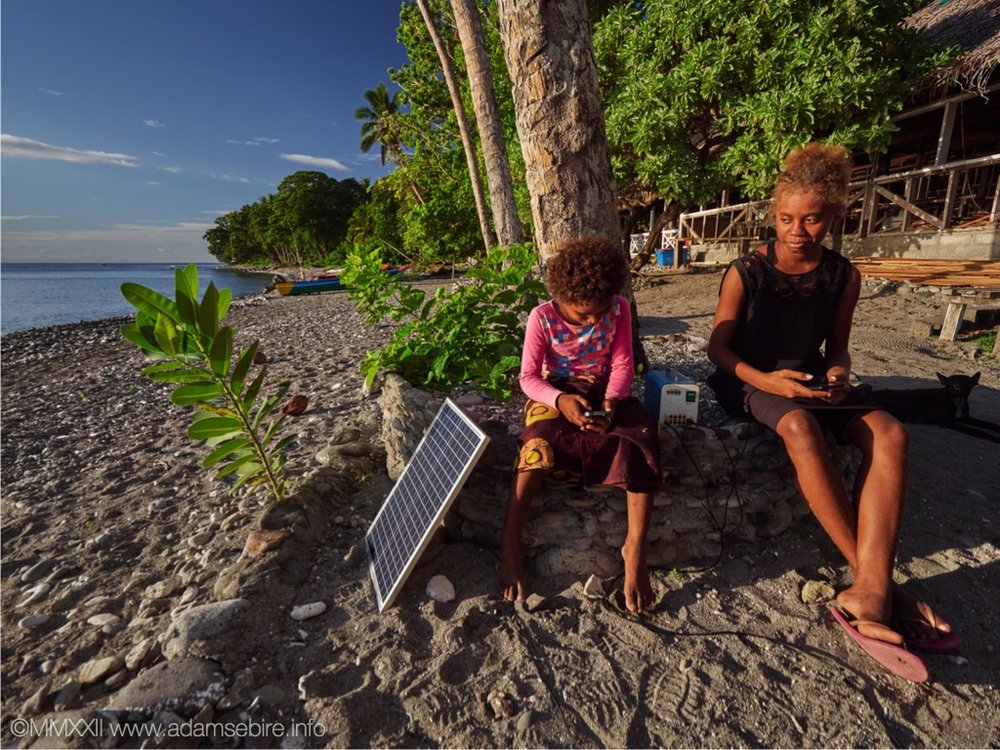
(308, 286)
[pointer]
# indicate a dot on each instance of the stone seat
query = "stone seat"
(734, 479)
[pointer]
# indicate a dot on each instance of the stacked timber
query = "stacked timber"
(939, 272)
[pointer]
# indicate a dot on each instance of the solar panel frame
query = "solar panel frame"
(451, 446)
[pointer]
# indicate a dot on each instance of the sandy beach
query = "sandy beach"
(129, 599)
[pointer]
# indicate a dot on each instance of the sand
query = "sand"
(102, 487)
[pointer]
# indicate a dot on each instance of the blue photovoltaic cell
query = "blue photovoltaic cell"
(422, 494)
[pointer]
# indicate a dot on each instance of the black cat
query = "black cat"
(945, 407)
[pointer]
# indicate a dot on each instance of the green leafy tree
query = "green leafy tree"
(195, 351)
(705, 96)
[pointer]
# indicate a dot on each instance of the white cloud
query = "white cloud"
(315, 161)
(153, 124)
(153, 182)
(158, 153)
(267, 140)
(242, 143)
(50, 92)
(172, 170)
(133, 243)
(22, 217)
(26, 148)
(228, 178)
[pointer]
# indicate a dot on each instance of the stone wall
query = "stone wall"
(735, 477)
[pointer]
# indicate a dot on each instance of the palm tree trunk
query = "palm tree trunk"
(484, 104)
(463, 123)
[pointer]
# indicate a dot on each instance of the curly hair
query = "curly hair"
(588, 269)
(820, 170)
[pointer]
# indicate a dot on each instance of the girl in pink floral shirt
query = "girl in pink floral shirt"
(580, 421)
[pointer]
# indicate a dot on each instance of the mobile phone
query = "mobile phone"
(818, 383)
(595, 413)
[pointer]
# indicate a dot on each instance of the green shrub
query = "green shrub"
(471, 333)
(195, 352)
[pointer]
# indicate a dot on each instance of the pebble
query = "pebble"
(103, 619)
(158, 505)
(67, 696)
(33, 621)
(306, 611)
(37, 571)
(96, 670)
(35, 593)
(959, 660)
(200, 539)
(440, 589)
(354, 450)
(814, 592)
(96, 601)
(261, 541)
(594, 588)
(160, 589)
(138, 653)
(353, 556)
(501, 704)
(534, 603)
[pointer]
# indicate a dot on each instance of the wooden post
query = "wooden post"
(944, 139)
(949, 200)
(952, 321)
(908, 194)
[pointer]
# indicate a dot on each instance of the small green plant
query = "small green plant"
(468, 334)
(987, 341)
(195, 351)
(676, 575)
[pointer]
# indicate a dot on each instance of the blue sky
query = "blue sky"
(129, 125)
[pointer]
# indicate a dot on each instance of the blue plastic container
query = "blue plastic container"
(666, 257)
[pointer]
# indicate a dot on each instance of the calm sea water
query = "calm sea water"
(33, 295)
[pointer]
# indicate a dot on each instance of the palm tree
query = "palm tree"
(378, 126)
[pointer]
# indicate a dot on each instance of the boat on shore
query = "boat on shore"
(308, 286)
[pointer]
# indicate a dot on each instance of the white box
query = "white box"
(672, 398)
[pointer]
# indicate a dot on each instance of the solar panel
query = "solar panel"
(421, 496)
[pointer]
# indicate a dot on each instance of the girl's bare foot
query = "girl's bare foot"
(638, 591)
(511, 571)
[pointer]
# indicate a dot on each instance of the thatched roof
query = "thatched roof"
(974, 25)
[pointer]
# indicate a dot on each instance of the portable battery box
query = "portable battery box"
(671, 398)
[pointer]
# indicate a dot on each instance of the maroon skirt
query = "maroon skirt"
(626, 456)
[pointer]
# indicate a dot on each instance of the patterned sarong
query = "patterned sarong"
(626, 456)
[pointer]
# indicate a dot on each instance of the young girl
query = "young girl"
(777, 306)
(576, 369)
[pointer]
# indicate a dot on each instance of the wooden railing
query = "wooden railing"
(959, 195)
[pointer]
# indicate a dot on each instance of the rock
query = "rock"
(535, 603)
(160, 589)
(440, 589)
(67, 695)
(118, 679)
(354, 449)
(36, 702)
(33, 621)
(525, 722)
(594, 588)
(501, 704)
(82, 728)
(814, 592)
(469, 399)
(295, 406)
(200, 628)
(306, 611)
(283, 515)
(96, 670)
(38, 570)
(103, 619)
(259, 358)
(137, 654)
(353, 556)
(35, 593)
(182, 686)
(239, 693)
(200, 539)
(261, 541)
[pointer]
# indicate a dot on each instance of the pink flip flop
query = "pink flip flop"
(897, 660)
(944, 642)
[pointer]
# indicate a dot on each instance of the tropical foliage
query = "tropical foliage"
(195, 351)
(304, 223)
(705, 96)
(469, 334)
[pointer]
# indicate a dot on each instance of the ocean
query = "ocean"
(33, 295)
